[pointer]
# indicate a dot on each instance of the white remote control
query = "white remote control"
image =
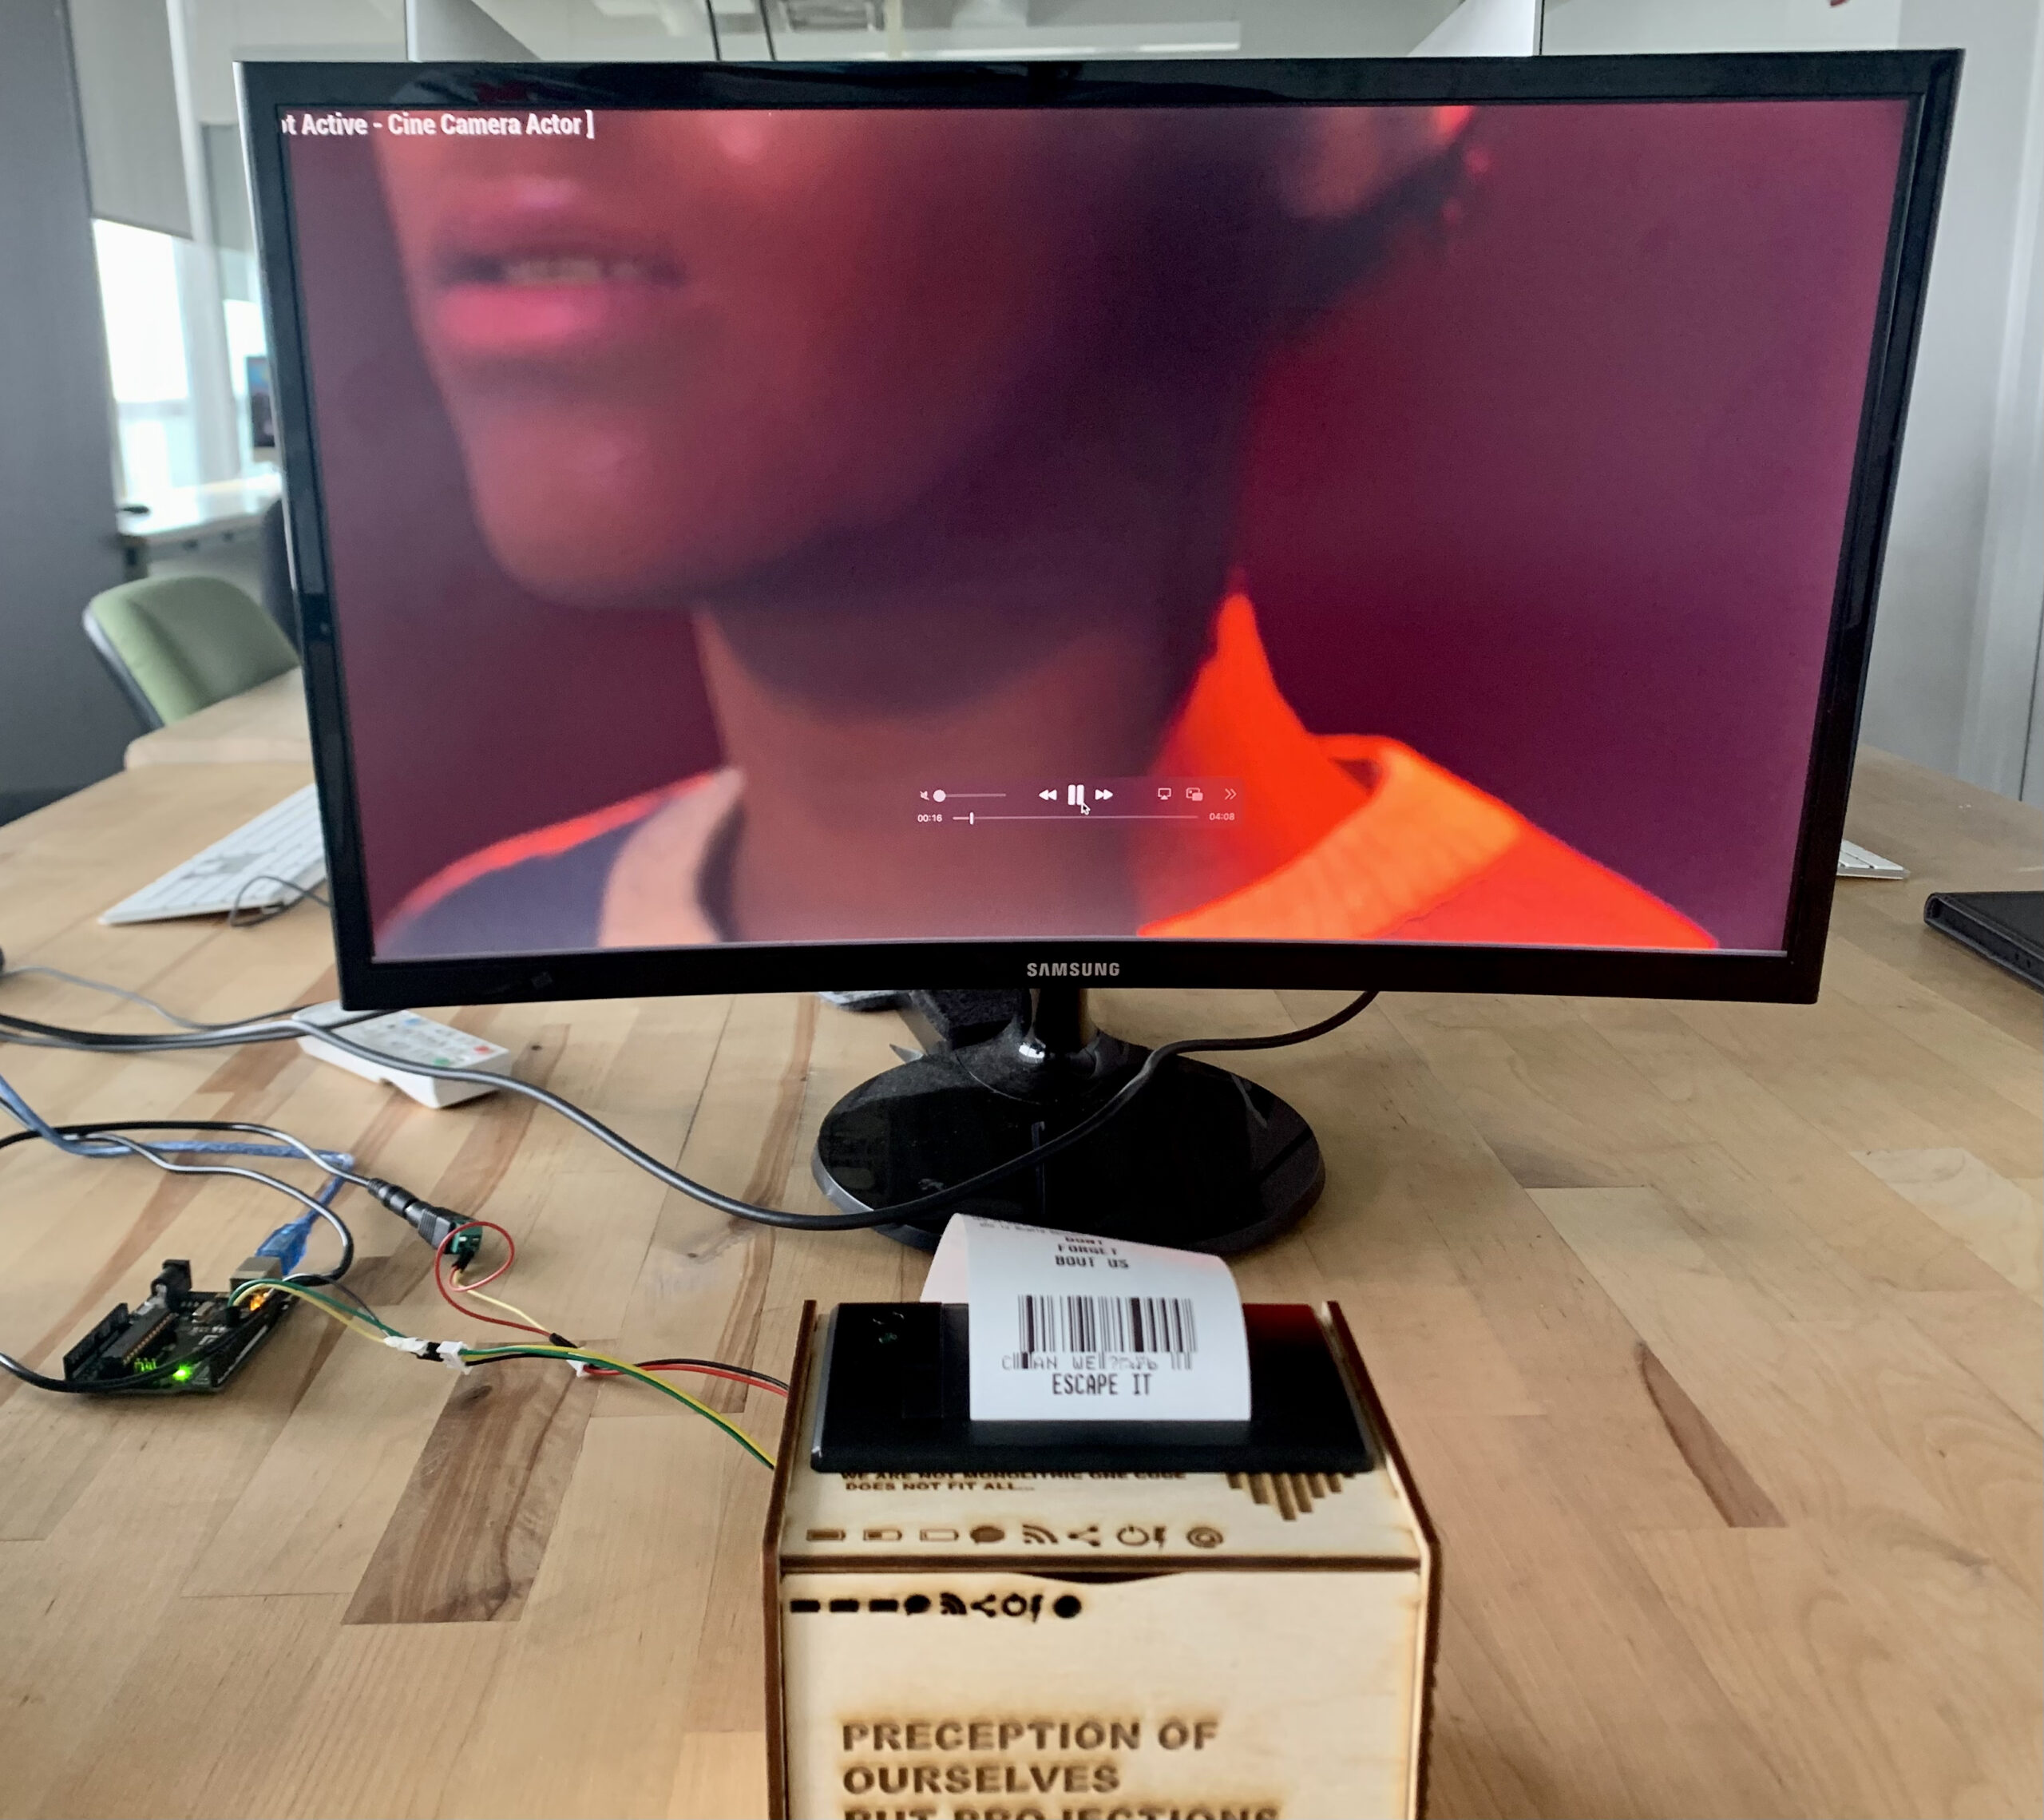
(404, 1036)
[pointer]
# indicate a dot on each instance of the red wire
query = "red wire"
(510, 1249)
(510, 1258)
(511, 1255)
(702, 1370)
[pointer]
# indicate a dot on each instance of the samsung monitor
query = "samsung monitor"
(1336, 523)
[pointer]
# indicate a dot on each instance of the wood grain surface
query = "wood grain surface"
(264, 725)
(1713, 1333)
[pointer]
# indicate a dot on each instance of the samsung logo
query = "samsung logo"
(1074, 970)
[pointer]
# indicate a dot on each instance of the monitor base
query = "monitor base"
(1203, 1160)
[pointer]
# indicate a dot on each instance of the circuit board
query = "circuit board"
(179, 1341)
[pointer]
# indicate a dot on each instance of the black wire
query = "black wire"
(158, 1382)
(354, 1296)
(15, 1368)
(58, 1036)
(274, 1027)
(143, 999)
(93, 1129)
(241, 916)
(940, 1200)
(55, 1036)
(113, 1128)
(717, 1365)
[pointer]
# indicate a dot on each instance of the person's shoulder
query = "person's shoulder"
(1535, 889)
(1426, 856)
(538, 892)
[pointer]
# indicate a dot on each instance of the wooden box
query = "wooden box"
(1096, 1646)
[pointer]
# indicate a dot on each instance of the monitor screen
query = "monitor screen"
(1087, 529)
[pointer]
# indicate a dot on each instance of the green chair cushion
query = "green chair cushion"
(190, 640)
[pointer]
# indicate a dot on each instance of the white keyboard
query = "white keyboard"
(265, 864)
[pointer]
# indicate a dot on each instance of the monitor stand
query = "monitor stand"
(1201, 1160)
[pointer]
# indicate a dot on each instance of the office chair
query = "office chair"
(279, 602)
(176, 643)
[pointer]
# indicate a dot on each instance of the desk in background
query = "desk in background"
(264, 725)
(1712, 1332)
(197, 524)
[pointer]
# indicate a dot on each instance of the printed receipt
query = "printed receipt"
(1070, 1328)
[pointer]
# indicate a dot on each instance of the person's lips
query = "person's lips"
(545, 288)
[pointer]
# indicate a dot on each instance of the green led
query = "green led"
(182, 1373)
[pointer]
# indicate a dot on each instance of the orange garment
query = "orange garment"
(1367, 841)
(1349, 839)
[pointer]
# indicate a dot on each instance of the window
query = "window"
(147, 357)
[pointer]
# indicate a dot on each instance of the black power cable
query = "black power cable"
(117, 1387)
(161, 1382)
(142, 998)
(115, 1130)
(282, 1028)
(937, 1201)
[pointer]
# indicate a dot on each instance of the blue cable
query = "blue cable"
(287, 1244)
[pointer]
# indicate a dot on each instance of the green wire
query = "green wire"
(704, 1410)
(364, 1313)
(346, 1310)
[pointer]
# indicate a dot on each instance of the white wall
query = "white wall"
(457, 31)
(1336, 28)
(127, 99)
(2006, 692)
(1486, 28)
(1582, 28)
(1956, 640)
(262, 31)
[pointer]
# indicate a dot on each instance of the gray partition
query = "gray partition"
(62, 722)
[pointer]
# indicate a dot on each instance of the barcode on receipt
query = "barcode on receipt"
(1107, 1324)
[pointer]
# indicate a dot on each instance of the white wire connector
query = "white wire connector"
(447, 1352)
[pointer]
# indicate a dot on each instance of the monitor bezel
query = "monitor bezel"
(1927, 80)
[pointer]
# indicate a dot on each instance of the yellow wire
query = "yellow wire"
(631, 1370)
(623, 1367)
(353, 1323)
(627, 1370)
(508, 1308)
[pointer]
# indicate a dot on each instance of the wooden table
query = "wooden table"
(264, 725)
(1712, 1331)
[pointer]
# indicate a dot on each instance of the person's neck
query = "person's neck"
(851, 796)
(1039, 627)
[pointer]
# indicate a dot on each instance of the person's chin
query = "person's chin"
(581, 578)
(591, 563)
